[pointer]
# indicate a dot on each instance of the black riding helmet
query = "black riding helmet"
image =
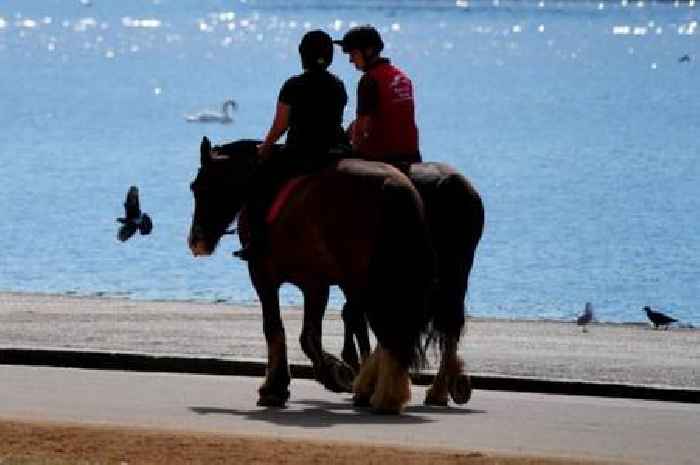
(316, 50)
(361, 38)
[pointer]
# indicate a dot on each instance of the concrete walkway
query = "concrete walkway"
(631, 354)
(636, 431)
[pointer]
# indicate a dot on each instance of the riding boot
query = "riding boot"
(257, 240)
(263, 190)
(282, 166)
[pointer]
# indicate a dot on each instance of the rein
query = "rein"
(233, 230)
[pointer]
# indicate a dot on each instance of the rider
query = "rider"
(310, 110)
(385, 127)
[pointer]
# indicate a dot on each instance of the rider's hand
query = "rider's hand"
(350, 130)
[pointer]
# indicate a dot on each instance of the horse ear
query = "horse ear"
(205, 150)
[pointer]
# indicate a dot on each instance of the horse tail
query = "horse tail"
(402, 271)
(457, 223)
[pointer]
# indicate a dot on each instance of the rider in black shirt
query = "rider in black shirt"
(310, 110)
(316, 100)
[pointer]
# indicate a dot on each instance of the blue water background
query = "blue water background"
(575, 120)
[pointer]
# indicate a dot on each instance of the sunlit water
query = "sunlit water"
(577, 121)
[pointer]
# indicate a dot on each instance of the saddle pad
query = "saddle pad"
(282, 197)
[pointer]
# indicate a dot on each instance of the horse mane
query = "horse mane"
(238, 148)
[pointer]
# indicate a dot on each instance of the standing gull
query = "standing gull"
(586, 317)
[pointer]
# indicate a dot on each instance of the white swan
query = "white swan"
(214, 116)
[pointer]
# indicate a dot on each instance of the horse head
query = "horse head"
(219, 190)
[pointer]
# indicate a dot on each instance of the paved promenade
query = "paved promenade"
(633, 354)
(616, 430)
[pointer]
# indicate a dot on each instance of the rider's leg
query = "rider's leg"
(263, 189)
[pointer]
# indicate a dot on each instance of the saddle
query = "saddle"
(282, 197)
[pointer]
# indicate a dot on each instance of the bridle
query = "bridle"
(233, 230)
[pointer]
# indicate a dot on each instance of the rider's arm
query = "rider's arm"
(280, 124)
(367, 103)
(359, 132)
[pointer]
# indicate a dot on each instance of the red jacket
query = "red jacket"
(392, 132)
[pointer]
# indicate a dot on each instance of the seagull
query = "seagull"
(658, 318)
(134, 219)
(214, 116)
(586, 317)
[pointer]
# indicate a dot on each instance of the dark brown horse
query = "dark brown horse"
(356, 224)
(455, 216)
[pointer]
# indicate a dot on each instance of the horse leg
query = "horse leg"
(355, 327)
(450, 378)
(393, 385)
(366, 380)
(349, 351)
(382, 383)
(456, 239)
(334, 374)
(448, 322)
(275, 390)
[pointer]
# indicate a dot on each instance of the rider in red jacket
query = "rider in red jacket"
(385, 127)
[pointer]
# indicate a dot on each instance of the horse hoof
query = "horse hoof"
(336, 376)
(271, 397)
(386, 411)
(461, 389)
(434, 400)
(343, 375)
(270, 400)
(360, 400)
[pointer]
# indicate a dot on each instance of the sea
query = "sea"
(577, 121)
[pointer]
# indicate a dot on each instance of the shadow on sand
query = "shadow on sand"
(322, 414)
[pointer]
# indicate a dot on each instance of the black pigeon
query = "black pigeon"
(134, 218)
(658, 318)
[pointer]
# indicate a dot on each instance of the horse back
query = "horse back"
(341, 217)
(454, 209)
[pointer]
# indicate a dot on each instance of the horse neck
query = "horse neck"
(247, 163)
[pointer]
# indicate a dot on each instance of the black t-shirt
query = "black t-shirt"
(316, 100)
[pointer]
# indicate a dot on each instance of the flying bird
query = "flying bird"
(657, 318)
(134, 219)
(684, 59)
(586, 317)
(209, 116)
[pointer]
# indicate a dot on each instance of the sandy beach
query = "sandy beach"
(624, 353)
(62, 444)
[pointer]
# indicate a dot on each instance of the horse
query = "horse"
(356, 224)
(455, 215)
